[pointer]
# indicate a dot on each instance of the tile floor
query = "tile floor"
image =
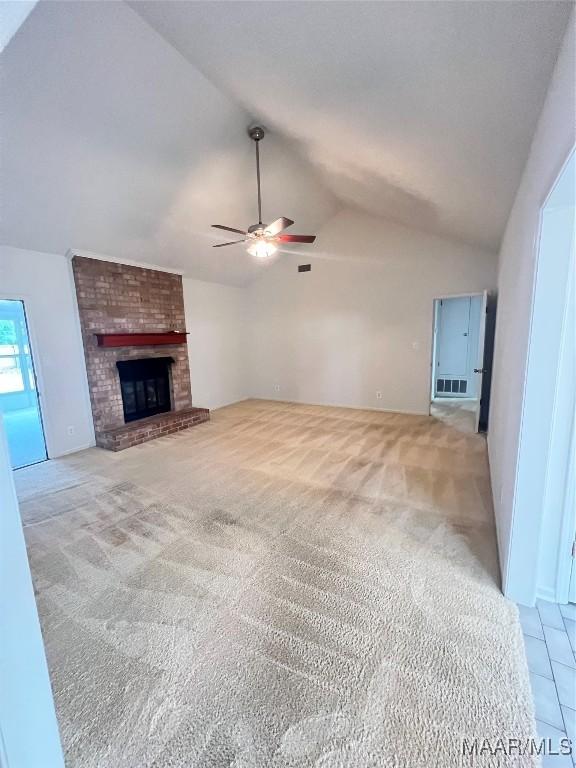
(550, 639)
(459, 413)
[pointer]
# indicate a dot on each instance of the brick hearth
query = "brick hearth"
(154, 426)
(117, 298)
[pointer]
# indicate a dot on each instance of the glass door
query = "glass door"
(18, 393)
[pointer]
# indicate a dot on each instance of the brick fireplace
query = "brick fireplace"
(133, 329)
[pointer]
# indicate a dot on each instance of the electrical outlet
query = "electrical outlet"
(277, 387)
(71, 431)
(379, 395)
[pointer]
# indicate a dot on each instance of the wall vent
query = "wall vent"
(304, 267)
(451, 385)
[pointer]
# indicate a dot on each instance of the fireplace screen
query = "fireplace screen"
(145, 386)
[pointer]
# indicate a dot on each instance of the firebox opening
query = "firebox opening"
(145, 386)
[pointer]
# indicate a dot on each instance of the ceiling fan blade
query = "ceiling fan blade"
(229, 229)
(277, 226)
(221, 245)
(296, 238)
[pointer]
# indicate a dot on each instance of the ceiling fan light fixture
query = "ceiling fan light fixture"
(262, 249)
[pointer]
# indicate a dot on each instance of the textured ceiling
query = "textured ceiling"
(418, 111)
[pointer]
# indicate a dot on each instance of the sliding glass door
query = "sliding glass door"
(18, 393)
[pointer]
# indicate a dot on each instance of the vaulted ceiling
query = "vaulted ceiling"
(124, 128)
(420, 111)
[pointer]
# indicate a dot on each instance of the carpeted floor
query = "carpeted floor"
(286, 586)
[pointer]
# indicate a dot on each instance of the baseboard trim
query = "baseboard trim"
(546, 593)
(232, 402)
(340, 405)
(73, 450)
(497, 523)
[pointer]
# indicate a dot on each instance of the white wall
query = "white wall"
(551, 145)
(216, 324)
(28, 728)
(44, 281)
(361, 320)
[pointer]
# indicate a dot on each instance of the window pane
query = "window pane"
(11, 379)
(7, 332)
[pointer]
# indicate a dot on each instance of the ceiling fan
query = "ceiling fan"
(263, 239)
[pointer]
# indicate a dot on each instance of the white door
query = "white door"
(452, 341)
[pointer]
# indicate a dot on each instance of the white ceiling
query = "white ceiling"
(418, 111)
(118, 142)
(113, 143)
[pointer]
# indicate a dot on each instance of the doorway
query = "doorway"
(458, 380)
(19, 401)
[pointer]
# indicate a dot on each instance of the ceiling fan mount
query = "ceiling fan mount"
(256, 133)
(263, 239)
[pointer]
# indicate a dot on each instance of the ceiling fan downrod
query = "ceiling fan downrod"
(256, 133)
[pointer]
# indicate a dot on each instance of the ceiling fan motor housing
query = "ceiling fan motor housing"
(257, 229)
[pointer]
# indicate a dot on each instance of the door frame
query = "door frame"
(432, 352)
(566, 571)
(520, 583)
(565, 583)
(36, 363)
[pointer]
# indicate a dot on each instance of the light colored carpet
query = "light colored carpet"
(286, 586)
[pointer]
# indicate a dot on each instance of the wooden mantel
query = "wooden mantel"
(140, 339)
